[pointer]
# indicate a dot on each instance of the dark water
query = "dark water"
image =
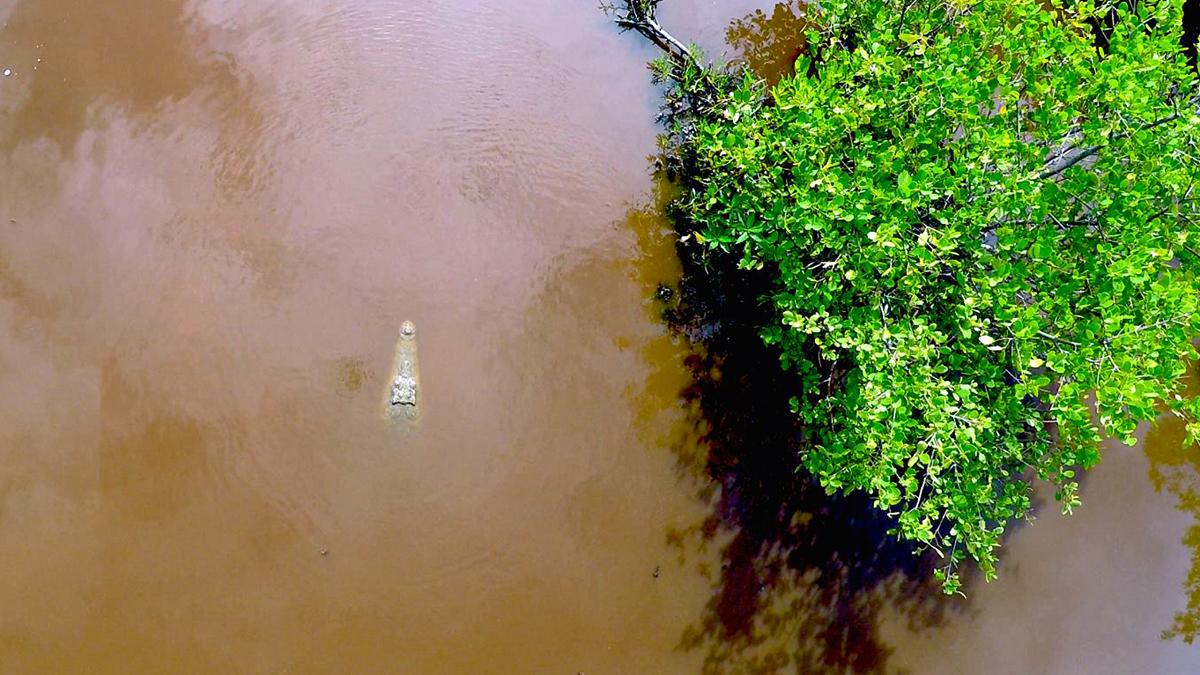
(213, 217)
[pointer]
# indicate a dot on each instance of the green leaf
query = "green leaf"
(937, 286)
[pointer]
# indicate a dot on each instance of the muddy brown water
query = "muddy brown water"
(213, 217)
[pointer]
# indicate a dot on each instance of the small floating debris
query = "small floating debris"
(7, 72)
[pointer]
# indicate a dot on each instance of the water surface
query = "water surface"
(213, 218)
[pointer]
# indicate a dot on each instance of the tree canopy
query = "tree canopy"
(982, 224)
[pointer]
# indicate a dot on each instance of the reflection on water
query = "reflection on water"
(213, 217)
(770, 44)
(68, 56)
(1175, 469)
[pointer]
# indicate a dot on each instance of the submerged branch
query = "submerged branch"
(639, 16)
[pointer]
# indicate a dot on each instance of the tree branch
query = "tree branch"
(639, 16)
(1053, 168)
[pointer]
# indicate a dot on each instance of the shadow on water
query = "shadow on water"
(769, 44)
(1175, 469)
(803, 574)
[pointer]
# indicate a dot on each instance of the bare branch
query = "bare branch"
(1069, 156)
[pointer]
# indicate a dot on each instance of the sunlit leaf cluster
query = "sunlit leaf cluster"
(983, 221)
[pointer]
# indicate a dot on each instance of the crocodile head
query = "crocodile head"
(408, 330)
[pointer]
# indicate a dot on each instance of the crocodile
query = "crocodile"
(403, 395)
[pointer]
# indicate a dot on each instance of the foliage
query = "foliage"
(982, 224)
